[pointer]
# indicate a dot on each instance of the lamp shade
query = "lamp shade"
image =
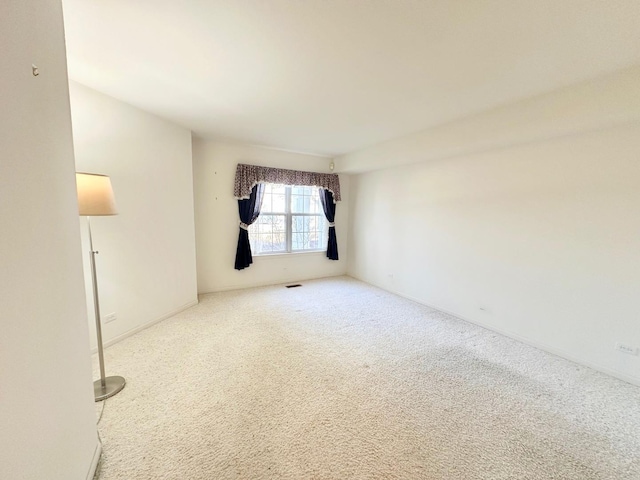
(95, 195)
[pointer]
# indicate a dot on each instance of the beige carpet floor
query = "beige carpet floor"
(340, 380)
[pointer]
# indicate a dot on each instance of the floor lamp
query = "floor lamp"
(95, 198)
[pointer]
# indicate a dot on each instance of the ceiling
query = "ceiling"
(333, 76)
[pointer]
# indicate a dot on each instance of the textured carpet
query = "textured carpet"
(339, 380)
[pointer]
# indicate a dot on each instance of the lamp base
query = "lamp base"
(112, 386)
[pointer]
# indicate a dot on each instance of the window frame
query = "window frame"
(288, 214)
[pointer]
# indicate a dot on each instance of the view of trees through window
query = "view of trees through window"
(291, 220)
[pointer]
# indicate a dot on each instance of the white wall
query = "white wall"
(146, 265)
(540, 240)
(47, 419)
(214, 165)
(603, 102)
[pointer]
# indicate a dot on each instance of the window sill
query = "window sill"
(291, 254)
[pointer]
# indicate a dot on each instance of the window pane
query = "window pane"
(307, 232)
(297, 203)
(266, 203)
(264, 243)
(296, 241)
(278, 205)
(316, 206)
(305, 200)
(314, 241)
(278, 189)
(279, 240)
(268, 234)
(274, 199)
(267, 200)
(296, 224)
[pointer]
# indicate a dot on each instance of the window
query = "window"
(291, 220)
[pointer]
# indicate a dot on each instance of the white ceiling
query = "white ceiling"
(334, 76)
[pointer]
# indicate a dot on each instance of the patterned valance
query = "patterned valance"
(247, 176)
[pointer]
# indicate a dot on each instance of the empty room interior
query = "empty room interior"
(320, 239)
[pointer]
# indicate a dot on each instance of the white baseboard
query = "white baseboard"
(139, 328)
(532, 343)
(228, 288)
(95, 461)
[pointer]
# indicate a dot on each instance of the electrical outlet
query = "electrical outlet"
(621, 347)
(110, 318)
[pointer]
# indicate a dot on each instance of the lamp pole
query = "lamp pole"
(107, 386)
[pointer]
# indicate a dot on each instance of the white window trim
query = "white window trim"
(289, 230)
